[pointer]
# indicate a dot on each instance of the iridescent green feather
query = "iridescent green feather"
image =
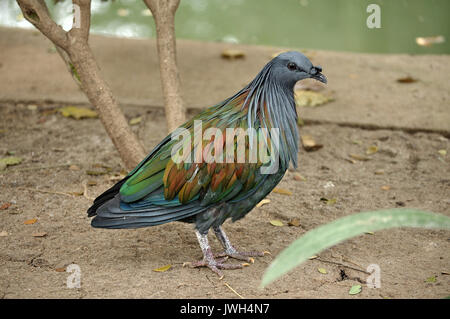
(213, 182)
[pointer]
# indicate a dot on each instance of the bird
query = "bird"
(206, 181)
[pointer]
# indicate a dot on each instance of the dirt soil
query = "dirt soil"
(407, 171)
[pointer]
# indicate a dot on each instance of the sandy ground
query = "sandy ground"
(119, 263)
(407, 122)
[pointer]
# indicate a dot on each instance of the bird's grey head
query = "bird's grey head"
(289, 67)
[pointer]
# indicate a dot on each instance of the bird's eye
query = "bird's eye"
(292, 66)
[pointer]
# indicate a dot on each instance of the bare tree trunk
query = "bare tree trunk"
(164, 14)
(75, 51)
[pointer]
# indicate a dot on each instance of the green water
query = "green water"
(313, 24)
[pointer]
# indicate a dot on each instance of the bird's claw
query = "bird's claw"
(215, 265)
(245, 256)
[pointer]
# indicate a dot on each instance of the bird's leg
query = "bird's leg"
(232, 252)
(208, 257)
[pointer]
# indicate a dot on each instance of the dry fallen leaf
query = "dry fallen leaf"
(322, 270)
(136, 120)
(294, 222)
(282, 191)
(9, 161)
(232, 54)
(74, 168)
(442, 152)
(96, 173)
(5, 206)
(309, 144)
(359, 157)
(327, 201)
(431, 279)
(372, 150)
(146, 13)
(309, 85)
(30, 221)
(406, 79)
(313, 257)
(122, 12)
(39, 234)
(276, 222)
(3, 233)
(61, 269)
(311, 98)
(77, 112)
(385, 187)
(354, 290)
(79, 193)
(379, 172)
(163, 268)
(428, 41)
(299, 177)
(100, 165)
(263, 202)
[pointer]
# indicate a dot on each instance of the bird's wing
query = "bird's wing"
(168, 186)
(187, 175)
(112, 192)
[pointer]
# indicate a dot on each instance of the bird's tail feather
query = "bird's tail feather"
(105, 197)
(111, 215)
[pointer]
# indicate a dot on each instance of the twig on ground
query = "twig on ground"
(21, 169)
(47, 192)
(342, 265)
(234, 291)
(85, 191)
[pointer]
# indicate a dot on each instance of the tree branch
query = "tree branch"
(81, 32)
(74, 49)
(163, 12)
(36, 12)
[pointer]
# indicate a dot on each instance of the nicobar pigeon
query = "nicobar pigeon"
(174, 185)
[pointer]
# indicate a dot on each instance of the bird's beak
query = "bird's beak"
(316, 74)
(320, 77)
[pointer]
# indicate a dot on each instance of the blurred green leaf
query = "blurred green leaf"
(347, 227)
